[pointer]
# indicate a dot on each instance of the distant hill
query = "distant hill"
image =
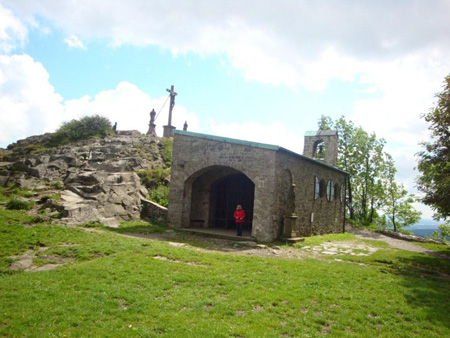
(424, 227)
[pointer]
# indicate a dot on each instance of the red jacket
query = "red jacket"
(239, 215)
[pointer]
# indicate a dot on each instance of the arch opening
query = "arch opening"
(319, 149)
(214, 193)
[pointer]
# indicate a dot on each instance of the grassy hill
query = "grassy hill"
(106, 284)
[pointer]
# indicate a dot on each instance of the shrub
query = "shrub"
(154, 177)
(84, 128)
(160, 195)
(18, 205)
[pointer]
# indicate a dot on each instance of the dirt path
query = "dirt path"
(393, 242)
(252, 248)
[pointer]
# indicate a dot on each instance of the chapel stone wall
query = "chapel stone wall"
(327, 215)
(195, 154)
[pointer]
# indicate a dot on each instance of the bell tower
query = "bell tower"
(322, 145)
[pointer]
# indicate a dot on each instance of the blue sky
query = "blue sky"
(257, 70)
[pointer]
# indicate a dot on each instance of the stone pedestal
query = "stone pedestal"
(290, 229)
(168, 131)
(151, 129)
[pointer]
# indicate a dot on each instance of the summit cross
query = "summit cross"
(172, 103)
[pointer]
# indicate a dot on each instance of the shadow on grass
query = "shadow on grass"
(161, 232)
(428, 280)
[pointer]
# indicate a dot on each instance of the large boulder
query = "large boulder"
(97, 175)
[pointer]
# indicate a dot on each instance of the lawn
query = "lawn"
(114, 286)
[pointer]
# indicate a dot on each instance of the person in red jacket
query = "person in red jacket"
(239, 218)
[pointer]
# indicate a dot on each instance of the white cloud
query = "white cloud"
(28, 103)
(273, 44)
(74, 42)
(12, 32)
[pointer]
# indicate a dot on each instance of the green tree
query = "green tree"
(434, 161)
(325, 122)
(371, 170)
(362, 155)
(398, 208)
(444, 233)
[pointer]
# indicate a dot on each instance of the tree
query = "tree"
(398, 208)
(371, 187)
(361, 155)
(444, 234)
(325, 122)
(434, 161)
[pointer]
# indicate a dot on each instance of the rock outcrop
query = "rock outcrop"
(96, 177)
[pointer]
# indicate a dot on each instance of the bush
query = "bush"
(160, 195)
(18, 205)
(154, 177)
(84, 128)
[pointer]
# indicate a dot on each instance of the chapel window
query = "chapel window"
(330, 190)
(316, 187)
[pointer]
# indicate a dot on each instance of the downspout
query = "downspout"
(345, 202)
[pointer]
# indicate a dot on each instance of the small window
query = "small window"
(330, 191)
(316, 188)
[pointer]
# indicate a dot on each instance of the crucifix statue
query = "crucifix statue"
(172, 103)
(168, 130)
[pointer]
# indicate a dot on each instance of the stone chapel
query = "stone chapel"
(284, 194)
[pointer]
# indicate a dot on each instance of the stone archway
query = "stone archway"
(214, 193)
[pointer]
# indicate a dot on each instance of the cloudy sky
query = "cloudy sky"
(260, 70)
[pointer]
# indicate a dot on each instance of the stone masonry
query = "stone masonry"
(284, 185)
(328, 139)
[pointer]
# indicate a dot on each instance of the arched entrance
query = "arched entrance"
(228, 192)
(214, 193)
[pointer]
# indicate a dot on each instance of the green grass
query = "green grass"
(14, 204)
(442, 249)
(317, 240)
(116, 286)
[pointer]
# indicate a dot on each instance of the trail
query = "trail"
(393, 242)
